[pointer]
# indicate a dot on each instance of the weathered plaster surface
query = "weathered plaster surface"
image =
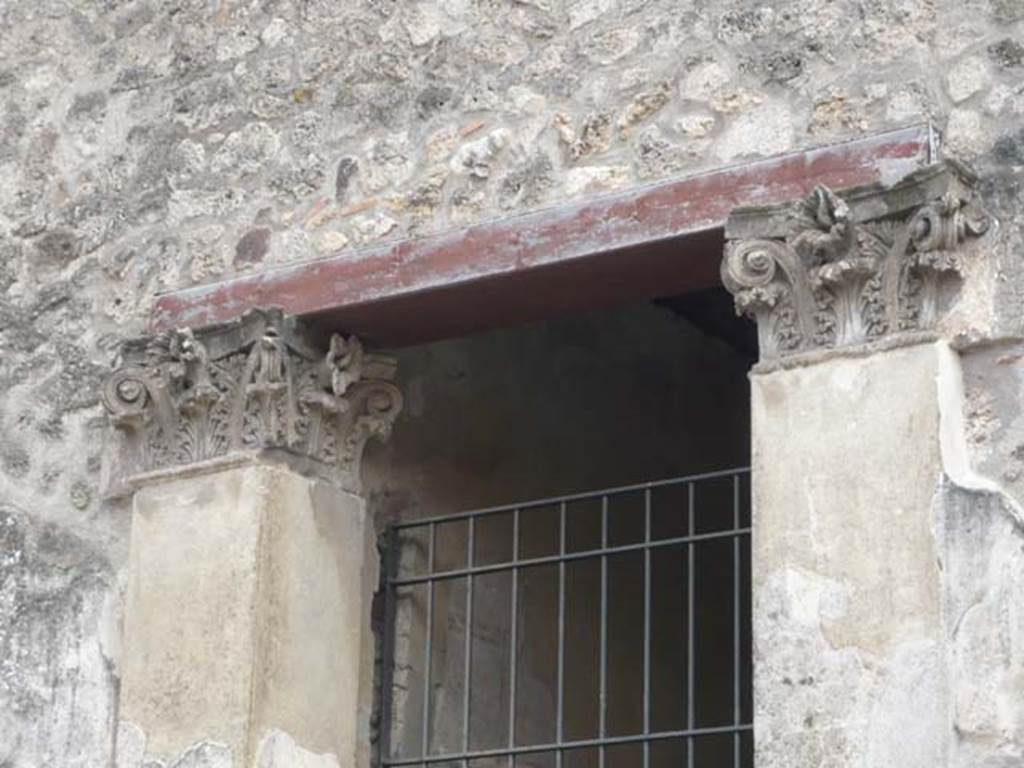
(888, 618)
(847, 621)
(983, 533)
(191, 592)
(58, 643)
(149, 145)
(247, 610)
(277, 749)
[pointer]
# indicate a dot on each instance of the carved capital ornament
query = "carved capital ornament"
(839, 270)
(189, 398)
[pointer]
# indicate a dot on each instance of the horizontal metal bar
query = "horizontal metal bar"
(581, 555)
(608, 741)
(533, 504)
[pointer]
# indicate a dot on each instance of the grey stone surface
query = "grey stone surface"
(141, 141)
(57, 597)
(887, 614)
(840, 271)
(247, 609)
(257, 383)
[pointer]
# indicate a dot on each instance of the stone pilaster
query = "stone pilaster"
(247, 638)
(856, 441)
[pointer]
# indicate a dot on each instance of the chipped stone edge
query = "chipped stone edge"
(866, 201)
(953, 451)
(276, 456)
(277, 749)
(131, 751)
(813, 357)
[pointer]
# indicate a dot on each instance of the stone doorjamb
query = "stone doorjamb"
(252, 563)
(864, 558)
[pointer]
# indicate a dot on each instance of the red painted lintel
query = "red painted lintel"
(653, 240)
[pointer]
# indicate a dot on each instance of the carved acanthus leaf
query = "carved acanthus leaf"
(185, 397)
(849, 268)
(823, 231)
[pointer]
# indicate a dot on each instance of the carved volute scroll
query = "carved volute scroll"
(838, 270)
(187, 398)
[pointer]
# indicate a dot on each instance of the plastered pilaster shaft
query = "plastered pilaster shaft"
(847, 583)
(888, 621)
(248, 613)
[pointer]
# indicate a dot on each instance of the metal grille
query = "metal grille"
(707, 531)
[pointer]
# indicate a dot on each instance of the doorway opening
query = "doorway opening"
(586, 628)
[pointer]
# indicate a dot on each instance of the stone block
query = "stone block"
(247, 613)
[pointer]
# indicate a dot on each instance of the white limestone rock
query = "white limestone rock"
(695, 126)
(475, 158)
(595, 178)
(968, 77)
(583, 12)
(704, 81)
(767, 130)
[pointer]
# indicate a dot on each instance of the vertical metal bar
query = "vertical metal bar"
(647, 627)
(428, 651)
(736, 619)
(603, 685)
(390, 558)
(560, 695)
(513, 640)
(467, 687)
(690, 634)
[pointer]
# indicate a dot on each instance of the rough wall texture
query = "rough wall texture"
(984, 535)
(247, 612)
(150, 144)
(849, 655)
(888, 620)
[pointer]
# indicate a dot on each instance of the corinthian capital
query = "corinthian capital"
(842, 269)
(187, 398)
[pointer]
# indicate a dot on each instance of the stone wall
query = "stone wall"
(150, 145)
